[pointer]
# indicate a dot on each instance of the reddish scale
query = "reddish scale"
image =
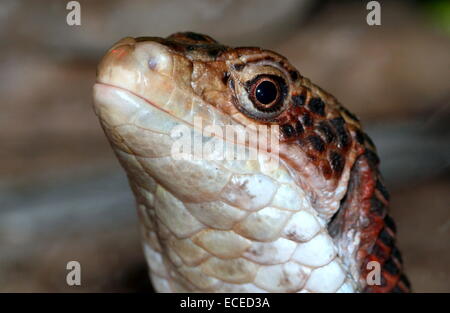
(378, 233)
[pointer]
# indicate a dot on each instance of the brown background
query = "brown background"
(63, 196)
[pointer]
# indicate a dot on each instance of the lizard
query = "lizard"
(316, 222)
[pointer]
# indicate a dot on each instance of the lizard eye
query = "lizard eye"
(267, 93)
(262, 96)
(264, 93)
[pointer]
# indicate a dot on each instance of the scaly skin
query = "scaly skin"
(309, 225)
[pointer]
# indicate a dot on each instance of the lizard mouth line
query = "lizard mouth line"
(138, 96)
(272, 151)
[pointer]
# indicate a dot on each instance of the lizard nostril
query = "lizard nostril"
(152, 63)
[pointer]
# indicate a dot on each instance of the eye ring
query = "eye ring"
(267, 92)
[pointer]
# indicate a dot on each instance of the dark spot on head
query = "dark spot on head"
(336, 161)
(225, 77)
(372, 157)
(379, 251)
(175, 46)
(386, 238)
(214, 51)
(196, 36)
(316, 105)
(299, 128)
(317, 143)
(307, 120)
(359, 136)
(389, 222)
(391, 267)
(298, 100)
(326, 131)
(342, 135)
(238, 67)
(381, 188)
(396, 254)
(338, 122)
(288, 130)
(143, 38)
(294, 75)
(376, 206)
(190, 47)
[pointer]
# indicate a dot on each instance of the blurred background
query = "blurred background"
(63, 196)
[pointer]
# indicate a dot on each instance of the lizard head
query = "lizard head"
(190, 75)
(147, 86)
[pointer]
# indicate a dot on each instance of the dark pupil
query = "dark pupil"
(266, 92)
